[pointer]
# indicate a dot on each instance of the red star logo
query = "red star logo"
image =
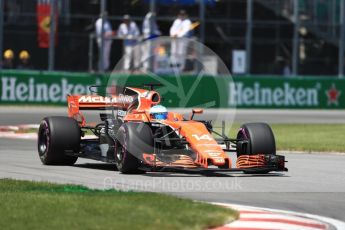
(333, 95)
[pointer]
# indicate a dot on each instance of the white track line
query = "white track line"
(268, 225)
(274, 216)
(13, 135)
(29, 136)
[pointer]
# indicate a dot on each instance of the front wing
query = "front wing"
(274, 163)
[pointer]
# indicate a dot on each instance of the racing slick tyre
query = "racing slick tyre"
(133, 139)
(257, 138)
(55, 136)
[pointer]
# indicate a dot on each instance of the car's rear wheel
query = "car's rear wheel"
(56, 135)
(256, 138)
(134, 139)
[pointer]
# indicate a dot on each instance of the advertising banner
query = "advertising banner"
(34, 87)
(43, 88)
(277, 92)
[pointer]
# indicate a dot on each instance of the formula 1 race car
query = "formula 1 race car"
(139, 135)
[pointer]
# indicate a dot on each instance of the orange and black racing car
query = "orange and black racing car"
(138, 135)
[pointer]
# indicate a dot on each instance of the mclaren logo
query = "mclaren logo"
(99, 99)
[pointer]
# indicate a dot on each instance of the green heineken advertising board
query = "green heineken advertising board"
(33, 87)
(43, 88)
(278, 92)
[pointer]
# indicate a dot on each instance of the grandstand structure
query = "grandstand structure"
(305, 35)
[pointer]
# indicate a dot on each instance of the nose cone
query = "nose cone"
(209, 152)
(216, 157)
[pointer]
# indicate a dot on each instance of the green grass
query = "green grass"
(307, 137)
(37, 205)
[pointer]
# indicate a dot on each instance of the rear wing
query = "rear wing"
(96, 102)
(115, 98)
(103, 97)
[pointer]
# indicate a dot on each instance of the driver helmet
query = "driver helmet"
(159, 112)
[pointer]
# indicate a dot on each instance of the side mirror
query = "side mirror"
(196, 111)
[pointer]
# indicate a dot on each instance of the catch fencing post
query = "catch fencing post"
(249, 35)
(1, 29)
(51, 54)
(100, 53)
(295, 51)
(202, 35)
(153, 6)
(341, 39)
(202, 20)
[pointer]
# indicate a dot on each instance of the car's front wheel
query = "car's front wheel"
(255, 139)
(133, 139)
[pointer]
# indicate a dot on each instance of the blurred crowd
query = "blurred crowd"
(137, 45)
(9, 60)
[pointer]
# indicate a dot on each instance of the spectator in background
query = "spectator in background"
(8, 61)
(24, 60)
(179, 31)
(287, 69)
(288, 8)
(128, 30)
(107, 34)
(150, 31)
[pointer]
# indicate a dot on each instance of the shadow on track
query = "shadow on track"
(112, 167)
(99, 166)
(209, 174)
